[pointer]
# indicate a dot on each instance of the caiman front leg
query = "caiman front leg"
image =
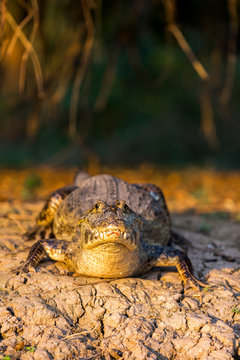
(52, 248)
(168, 256)
(45, 218)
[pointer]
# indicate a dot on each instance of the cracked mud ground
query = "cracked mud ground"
(53, 314)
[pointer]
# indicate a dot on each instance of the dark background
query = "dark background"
(113, 82)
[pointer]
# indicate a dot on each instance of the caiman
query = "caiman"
(105, 227)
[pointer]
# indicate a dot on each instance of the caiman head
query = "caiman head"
(109, 239)
(116, 225)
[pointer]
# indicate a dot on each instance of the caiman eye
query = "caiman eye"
(99, 205)
(123, 206)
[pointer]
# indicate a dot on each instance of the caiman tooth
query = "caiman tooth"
(101, 235)
(125, 236)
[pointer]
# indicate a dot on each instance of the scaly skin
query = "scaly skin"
(105, 227)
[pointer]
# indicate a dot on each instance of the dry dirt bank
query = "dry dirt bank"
(52, 314)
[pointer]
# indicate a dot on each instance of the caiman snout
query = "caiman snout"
(116, 236)
(105, 224)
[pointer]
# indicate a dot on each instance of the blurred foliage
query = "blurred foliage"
(31, 183)
(221, 189)
(119, 82)
(205, 228)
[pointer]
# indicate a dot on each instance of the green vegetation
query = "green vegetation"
(205, 228)
(236, 310)
(206, 289)
(31, 348)
(31, 183)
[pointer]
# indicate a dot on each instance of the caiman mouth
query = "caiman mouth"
(113, 236)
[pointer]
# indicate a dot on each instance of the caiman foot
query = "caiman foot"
(173, 257)
(51, 248)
